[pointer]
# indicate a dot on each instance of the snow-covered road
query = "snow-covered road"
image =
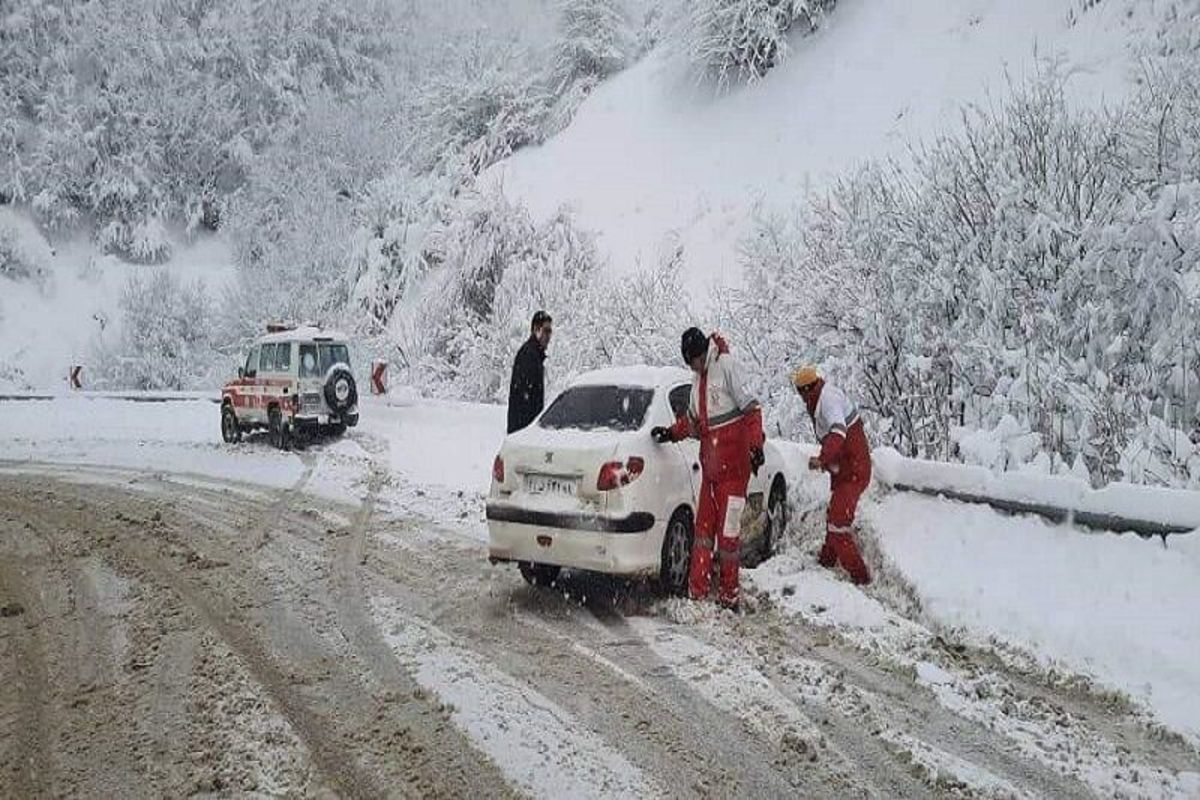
(185, 616)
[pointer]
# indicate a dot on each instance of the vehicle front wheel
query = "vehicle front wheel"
(539, 574)
(676, 554)
(231, 432)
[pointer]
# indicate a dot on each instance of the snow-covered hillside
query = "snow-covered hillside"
(650, 157)
(71, 306)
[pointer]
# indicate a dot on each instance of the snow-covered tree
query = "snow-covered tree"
(594, 40)
(739, 41)
(497, 266)
(165, 339)
(134, 113)
(1040, 264)
(489, 106)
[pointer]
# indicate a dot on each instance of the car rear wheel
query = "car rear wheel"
(539, 574)
(230, 431)
(337, 429)
(676, 554)
(777, 509)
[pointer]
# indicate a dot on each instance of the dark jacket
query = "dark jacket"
(527, 392)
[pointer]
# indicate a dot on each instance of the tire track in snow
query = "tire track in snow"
(538, 745)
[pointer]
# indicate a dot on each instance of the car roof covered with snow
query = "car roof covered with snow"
(644, 376)
(302, 333)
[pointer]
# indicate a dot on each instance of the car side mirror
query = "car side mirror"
(241, 372)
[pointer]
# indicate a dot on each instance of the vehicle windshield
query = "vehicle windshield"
(316, 359)
(618, 408)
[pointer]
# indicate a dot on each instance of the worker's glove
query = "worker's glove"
(757, 459)
(661, 434)
(814, 464)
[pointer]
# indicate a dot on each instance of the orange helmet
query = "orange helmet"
(805, 376)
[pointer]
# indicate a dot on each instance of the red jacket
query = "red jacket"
(839, 429)
(722, 415)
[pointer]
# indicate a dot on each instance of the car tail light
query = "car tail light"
(498, 470)
(614, 474)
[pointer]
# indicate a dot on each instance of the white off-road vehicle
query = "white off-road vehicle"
(294, 381)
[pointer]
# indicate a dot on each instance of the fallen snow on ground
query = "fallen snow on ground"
(179, 437)
(441, 444)
(538, 745)
(728, 681)
(1053, 736)
(1116, 607)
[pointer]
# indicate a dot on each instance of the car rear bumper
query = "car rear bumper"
(575, 541)
(637, 522)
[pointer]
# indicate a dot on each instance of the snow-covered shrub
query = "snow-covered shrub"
(594, 41)
(292, 225)
(124, 112)
(739, 41)
(23, 252)
(166, 337)
(497, 267)
(1040, 266)
(487, 108)
(391, 246)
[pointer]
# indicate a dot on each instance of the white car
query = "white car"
(585, 487)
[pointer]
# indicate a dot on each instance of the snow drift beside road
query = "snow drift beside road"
(1154, 504)
(1115, 607)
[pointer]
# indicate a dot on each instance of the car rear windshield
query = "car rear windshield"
(589, 407)
(316, 359)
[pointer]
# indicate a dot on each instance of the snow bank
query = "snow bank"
(440, 444)
(648, 157)
(1118, 608)
(174, 437)
(1178, 508)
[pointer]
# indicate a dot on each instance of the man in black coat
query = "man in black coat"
(527, 392)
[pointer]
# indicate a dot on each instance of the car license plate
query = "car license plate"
(548, 484)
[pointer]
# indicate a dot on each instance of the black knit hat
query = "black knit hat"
(694, 344)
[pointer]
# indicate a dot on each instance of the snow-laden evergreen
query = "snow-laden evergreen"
(736, 42)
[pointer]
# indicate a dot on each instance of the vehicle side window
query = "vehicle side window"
(251, 368)
(266, 362)
(308, 361)
(283, 357)
(680, 397)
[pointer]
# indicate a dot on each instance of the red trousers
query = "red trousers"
(847, 486)
(719, 521)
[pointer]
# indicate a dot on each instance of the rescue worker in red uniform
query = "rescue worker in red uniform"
(847, 458)
(728, 423)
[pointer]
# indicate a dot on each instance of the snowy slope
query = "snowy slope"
(649, 156)
(46, 328)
